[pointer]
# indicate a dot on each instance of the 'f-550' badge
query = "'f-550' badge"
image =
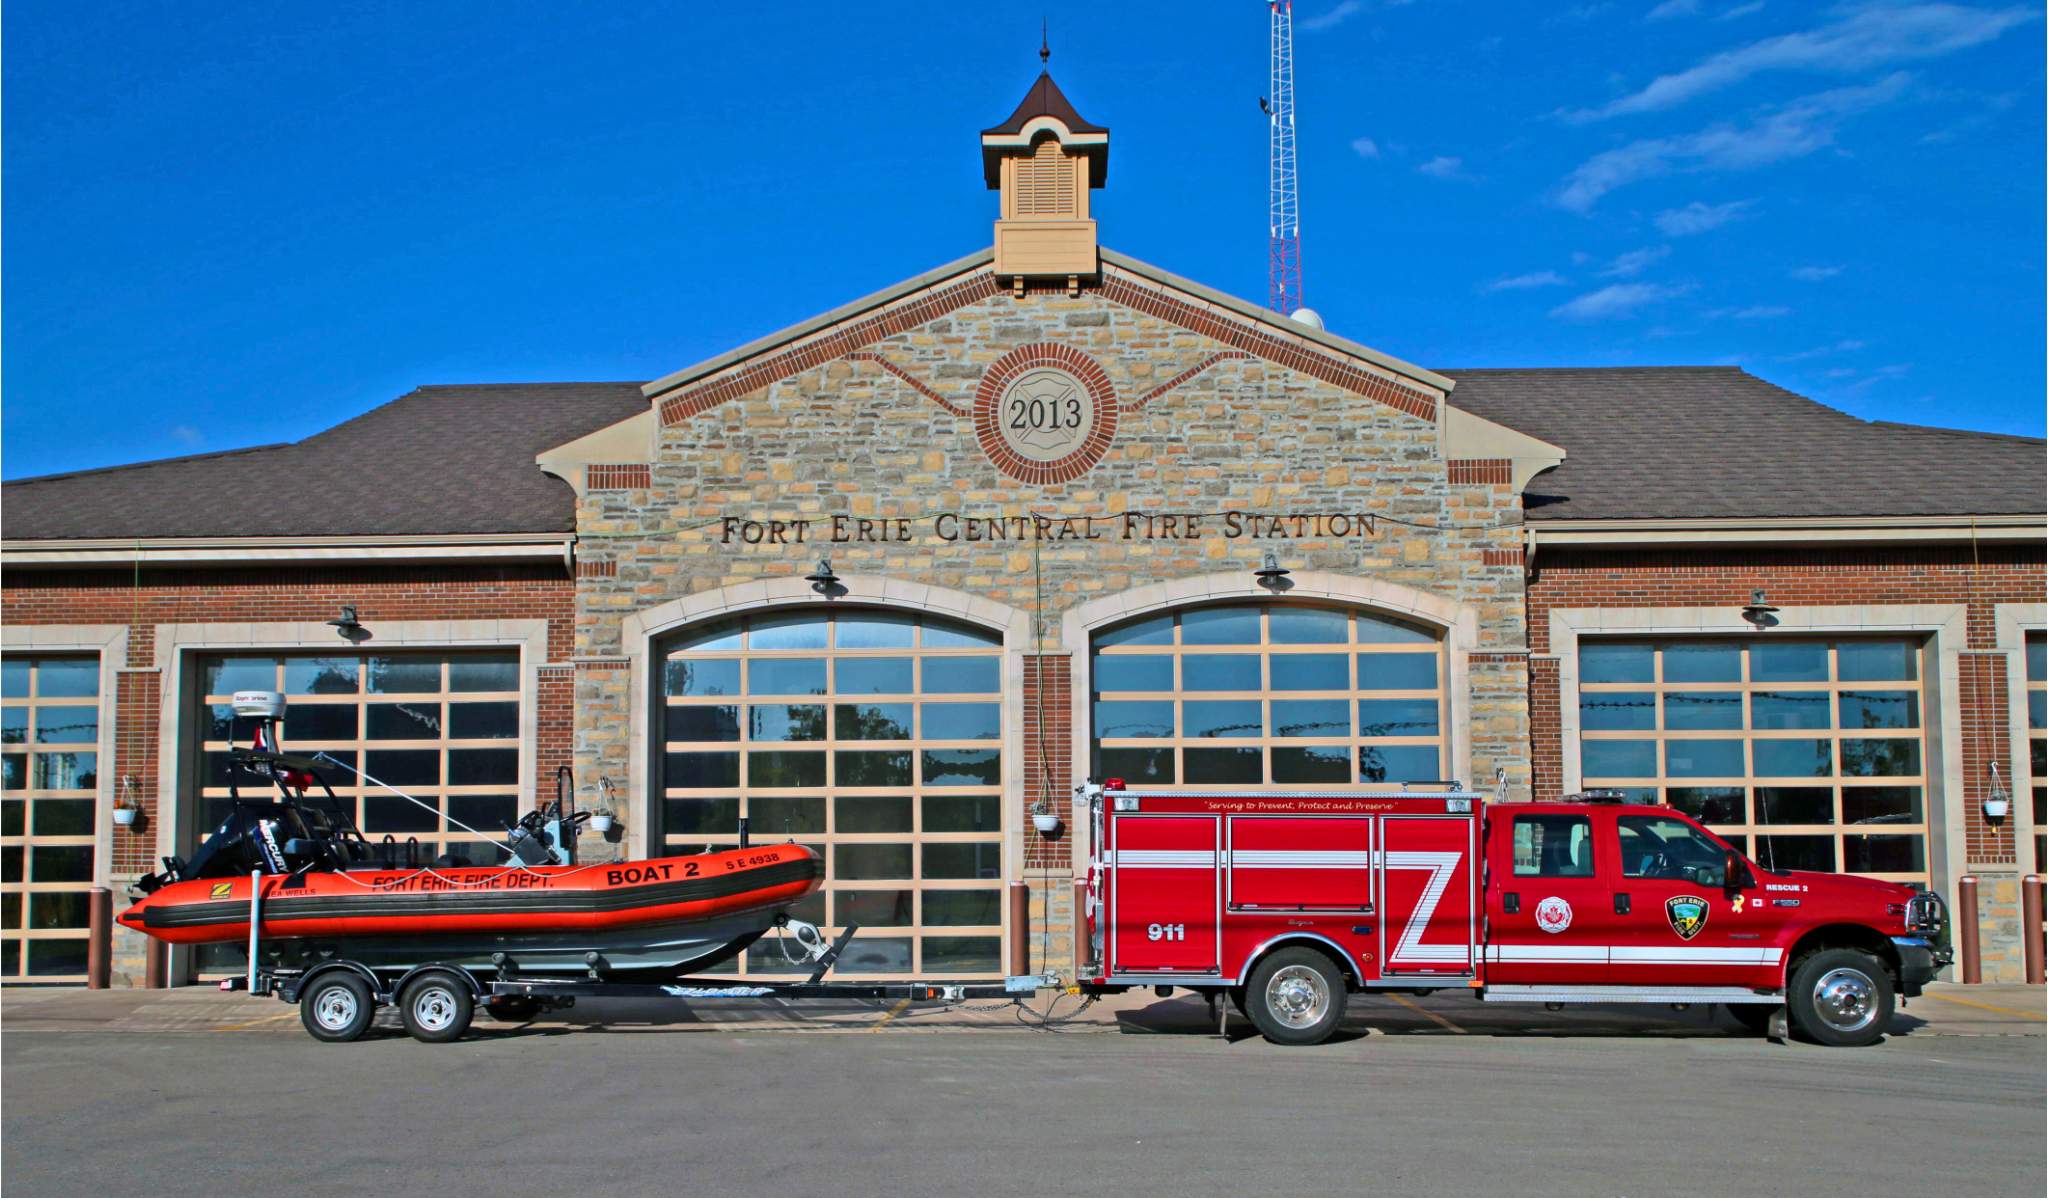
(1688, 915)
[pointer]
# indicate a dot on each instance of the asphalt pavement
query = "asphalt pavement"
(113, 1094)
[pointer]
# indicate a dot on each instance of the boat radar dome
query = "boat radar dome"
(259, 705)
(1308, 316)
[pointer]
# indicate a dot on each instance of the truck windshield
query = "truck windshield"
(1657, 846)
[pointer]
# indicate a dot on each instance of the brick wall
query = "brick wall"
(1048, 760)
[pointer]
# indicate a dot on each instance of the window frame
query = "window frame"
(92, 647)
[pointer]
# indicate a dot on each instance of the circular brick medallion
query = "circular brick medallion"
(1045, 413)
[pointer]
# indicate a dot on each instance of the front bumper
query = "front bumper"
(1919, 960)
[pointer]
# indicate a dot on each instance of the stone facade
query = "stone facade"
(1218, 455)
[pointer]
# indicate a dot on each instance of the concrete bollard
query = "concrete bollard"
(1020, 929)
(99, 938)
(2030, 926)
(156, 973)
(1966, 930)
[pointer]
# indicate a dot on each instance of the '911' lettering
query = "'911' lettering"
(1166, 931)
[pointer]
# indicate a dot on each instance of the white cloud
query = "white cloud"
(1756, 312)
(1868, 37)
(1798, 129)
(1822, 351)
(1616, 301)
(185, 434)
(1540, 278)
(1366, 147)
(1881, 374)
(1742, 10)
(1333, 18)
(1674, 8)
(1635, 262)
(1698, 217)
(1443, 166)
(1815, 274)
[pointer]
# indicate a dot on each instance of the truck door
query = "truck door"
(1428, 920)
(1676, 925)
(1549, 910)
(1165, 894)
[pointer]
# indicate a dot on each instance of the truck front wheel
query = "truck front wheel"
(1840, 997)
(1296, 996)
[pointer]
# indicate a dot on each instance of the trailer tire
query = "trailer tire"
(437, 1007)
(1296, 996)
(1840, 998)
(337, 1007)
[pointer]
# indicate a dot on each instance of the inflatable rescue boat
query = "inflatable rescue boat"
(317, 888)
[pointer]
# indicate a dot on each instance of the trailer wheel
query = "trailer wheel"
(436, 1007)
(1296, 996)
(337, 1007)
(1840, 997)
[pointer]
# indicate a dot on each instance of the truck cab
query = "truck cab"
(1597, 900)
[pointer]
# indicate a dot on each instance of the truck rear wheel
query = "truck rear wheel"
(436, 1007)
(337, 1007)
(1840, 997)
(1296, 996)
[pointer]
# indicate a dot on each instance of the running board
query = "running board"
(1626, 994)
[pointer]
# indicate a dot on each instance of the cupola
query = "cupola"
(1044, 160)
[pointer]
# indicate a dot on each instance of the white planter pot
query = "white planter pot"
(1996, 808)
(600, 824)
(1046, 823)
(125, 816)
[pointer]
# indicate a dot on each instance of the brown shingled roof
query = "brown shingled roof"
(1708, 442)
(1046, 99)
(439, 460)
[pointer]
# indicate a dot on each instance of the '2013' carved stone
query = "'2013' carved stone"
(1045, 413)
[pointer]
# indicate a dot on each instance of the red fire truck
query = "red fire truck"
(1287, 903)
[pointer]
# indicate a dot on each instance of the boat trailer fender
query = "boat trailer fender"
(476, 991)
(290, 989)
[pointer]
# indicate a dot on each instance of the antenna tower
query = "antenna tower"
(1283, 276)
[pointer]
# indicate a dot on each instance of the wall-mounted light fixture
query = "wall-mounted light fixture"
(347, 627)
(1758, 612)
(1271, 574)
(823, 580)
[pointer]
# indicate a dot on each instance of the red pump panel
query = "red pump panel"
(1300, 863)
(1427, 915)
(1164, 897)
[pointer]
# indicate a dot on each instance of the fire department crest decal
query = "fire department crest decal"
(1688, 915)
(1553, 915)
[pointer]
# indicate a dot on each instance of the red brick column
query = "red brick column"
(1986, 740)
(1048, 757)
(136, 713)
(1546, 730)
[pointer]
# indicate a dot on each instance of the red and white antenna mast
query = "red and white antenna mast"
(1283, 276)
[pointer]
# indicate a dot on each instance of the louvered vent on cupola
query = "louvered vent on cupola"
(1045, 184)
(1044, 160)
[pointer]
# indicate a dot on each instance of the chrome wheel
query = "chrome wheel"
(335, 1009)
(1845, 999)
(434, 1008)
(1298, 996)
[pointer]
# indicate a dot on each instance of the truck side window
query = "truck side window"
(1553, 846)
(1657, 846)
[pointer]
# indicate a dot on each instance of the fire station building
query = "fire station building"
(891, 581)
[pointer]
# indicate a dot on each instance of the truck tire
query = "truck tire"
(1296, 996)
(1756, 1016)
(337, 1007)
(437, 1007)
(1840, 997)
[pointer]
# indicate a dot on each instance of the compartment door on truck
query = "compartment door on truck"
(1299, 863)
(1428, 919)
(1550, 906)
(1165, 894)
(1681, 928)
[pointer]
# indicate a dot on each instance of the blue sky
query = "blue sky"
(229, 224)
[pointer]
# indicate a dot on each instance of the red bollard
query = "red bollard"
(2030, 926)
(1084, 949)
(1020, 929)
(99, 938)
(1966, 929)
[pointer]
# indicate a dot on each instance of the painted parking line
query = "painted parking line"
(893, 1013)
(1427, 1014)
(267, 1019)
(2036, 1016)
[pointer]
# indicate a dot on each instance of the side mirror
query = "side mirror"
(1732, 872)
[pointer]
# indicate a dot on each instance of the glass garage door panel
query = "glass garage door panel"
(1805, 753)
(875, 737)
(1268, 695)
(49, 813)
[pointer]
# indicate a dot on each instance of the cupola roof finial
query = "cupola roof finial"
(1044, 41)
